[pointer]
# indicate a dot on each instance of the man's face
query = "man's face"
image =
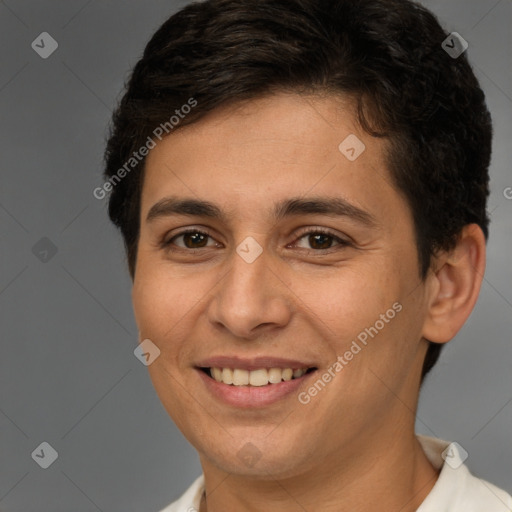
(254, 290)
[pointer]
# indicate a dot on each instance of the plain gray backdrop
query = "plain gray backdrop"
(68, 373)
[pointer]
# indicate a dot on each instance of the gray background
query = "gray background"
(68, 373)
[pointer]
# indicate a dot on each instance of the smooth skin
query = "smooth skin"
(352, 447)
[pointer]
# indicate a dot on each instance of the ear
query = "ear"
(454, 283)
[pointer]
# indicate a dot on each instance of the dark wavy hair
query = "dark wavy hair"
(386, 55)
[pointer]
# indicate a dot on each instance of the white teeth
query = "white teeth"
(240, 377)
(275, 375)
(226, 375)
(287, 374)
(260, 377)
(217, 374)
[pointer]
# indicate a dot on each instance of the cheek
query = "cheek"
(348, 302)
(161, 297)
(159, 304)
(150, 301)
(166, 306)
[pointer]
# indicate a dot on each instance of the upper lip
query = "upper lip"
(254, 363)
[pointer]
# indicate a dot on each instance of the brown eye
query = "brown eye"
(190, 239)
(320, 240)
(194, 240)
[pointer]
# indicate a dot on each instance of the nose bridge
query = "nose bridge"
(249, 295)
(246, 286)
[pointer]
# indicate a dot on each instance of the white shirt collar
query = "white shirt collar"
(456, 489)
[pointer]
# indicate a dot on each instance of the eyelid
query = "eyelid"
(324, 231)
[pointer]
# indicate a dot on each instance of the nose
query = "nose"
(250, 300)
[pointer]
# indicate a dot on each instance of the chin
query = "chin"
(262, 460)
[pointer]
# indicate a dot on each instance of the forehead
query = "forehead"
(269, 150)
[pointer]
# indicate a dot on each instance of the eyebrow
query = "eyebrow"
(329, 206)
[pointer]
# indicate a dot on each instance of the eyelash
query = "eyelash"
(341, 243)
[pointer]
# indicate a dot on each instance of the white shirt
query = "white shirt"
(456, 489)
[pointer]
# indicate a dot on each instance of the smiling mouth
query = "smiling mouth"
(258, 378)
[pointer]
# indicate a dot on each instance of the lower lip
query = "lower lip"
(252, 396)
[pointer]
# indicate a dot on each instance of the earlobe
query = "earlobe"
(454, 285)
